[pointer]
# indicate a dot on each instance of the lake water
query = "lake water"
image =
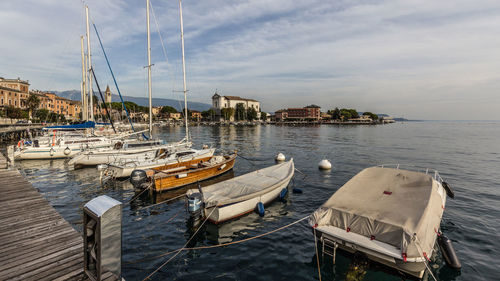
(467, 155)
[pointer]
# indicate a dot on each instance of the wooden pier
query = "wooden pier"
(36, 243)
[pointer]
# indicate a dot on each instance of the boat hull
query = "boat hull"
(176, 180)
(125, 170)
(56, 152)
(231, 211)
(414, 268)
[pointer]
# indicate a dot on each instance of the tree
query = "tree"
(335, 113)
(373, 116)
(346, 114)
(208, 114)
(32, 103)
(42, 114)
(263, 116)
(240, 112)
(227, 113)
(13, 112)
(251, 114)
(167, 109)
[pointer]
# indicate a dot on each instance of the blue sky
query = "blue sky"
(417, 59)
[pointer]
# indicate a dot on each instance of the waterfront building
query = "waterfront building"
(13, 92)
(196, 115)
(361, 119)
(156, 110)
(219, 102)
(54, 103)
(174, 116)
(310, 112)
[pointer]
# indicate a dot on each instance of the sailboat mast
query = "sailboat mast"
(91, 94)
(149, 74)
(84, 104)
(184, 72)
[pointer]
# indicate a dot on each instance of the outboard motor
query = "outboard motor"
(195, 201)
(139, 179)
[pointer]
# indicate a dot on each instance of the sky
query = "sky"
(437, 60)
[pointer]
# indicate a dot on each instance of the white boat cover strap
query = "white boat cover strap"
(247, 186)
(389, 205)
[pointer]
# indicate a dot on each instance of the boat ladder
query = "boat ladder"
(329, 247)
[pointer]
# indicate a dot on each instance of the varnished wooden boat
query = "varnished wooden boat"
(179, 174)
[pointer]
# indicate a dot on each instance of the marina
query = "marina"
(292, 159)
(163, 216)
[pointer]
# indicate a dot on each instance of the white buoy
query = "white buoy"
(280, 157)
(325, 165)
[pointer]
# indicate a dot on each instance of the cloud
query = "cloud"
(420, 59)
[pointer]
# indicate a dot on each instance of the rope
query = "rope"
(317, 254)
(168, 200)
(249, 161)
(179, 250)
(136, 196)
(417, 243)
(220, 245)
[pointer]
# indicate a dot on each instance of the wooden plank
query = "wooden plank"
(26, 265)
(72, 275)
(37, 243)
(57, 265)
(36, 247)
(47, 250)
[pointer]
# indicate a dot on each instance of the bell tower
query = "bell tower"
(107, 95)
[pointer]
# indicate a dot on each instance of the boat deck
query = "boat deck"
(36, 242)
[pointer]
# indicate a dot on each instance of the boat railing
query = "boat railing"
(415, 168)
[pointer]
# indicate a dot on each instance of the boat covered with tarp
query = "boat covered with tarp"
(240, 195)
(389, 214)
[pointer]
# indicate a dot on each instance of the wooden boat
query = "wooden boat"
(174, 175)
(240, 195)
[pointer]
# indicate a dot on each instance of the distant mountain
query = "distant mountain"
(179, 105)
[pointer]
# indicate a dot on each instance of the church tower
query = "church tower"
(107, 95)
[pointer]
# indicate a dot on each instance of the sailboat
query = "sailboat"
(64, 145)
(123, 167)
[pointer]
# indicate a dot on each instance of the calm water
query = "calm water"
(467, 154)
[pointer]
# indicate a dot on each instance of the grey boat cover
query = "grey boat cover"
(247, 186)
(389, 204)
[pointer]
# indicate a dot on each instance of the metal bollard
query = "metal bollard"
(102, 236)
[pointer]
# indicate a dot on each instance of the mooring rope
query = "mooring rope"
(419, 248)
(218, 245)
(317, 254)
(136, 196)
(180, 250)
(162, 202)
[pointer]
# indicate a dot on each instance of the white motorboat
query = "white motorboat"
(122, 151)
(390, 215)
(59, 147)
(238, 196)
(124, 167)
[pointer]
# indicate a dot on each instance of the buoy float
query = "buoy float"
(449, 255)
(67, 150)
(297, 190)
(283, 193)
(260, 209)
(448, 190)
(325, 165)
(280, 157)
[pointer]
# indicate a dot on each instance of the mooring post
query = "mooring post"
(102, 238)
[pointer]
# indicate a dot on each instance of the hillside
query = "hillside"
(75, 95)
